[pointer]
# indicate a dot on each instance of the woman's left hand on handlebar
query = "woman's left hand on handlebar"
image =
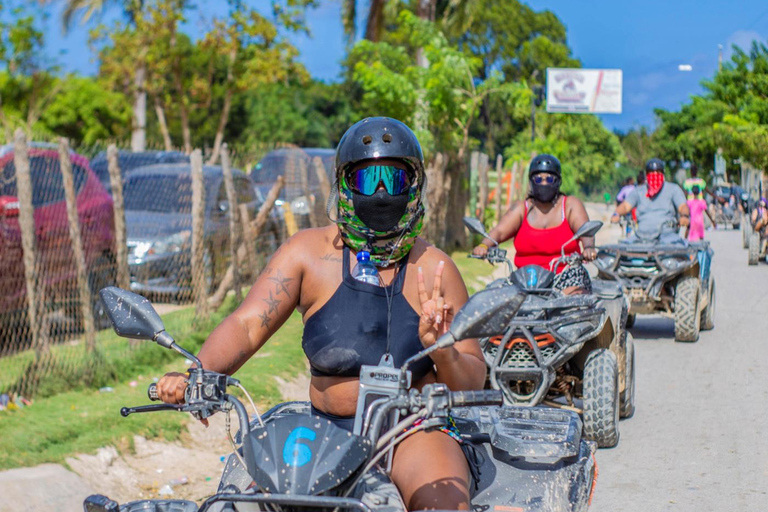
(436, 315)
(589, 254)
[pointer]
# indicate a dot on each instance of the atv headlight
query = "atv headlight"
(573, 332)
(605, 260)
(674, 263)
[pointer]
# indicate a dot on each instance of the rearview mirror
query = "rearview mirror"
(476, 226)
(133, 316)
(487, 313)
(589, 228)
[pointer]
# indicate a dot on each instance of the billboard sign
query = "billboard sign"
(584, 91)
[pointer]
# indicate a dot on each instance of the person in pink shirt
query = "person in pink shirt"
(698, 208)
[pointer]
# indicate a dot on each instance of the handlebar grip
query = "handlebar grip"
(152, 392)
(470, 398)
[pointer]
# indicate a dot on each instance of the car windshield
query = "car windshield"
(47, 183)
(160, 193)
(270, 167)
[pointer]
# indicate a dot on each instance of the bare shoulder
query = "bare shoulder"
(308, 242)
(573, 203)
(427, 256)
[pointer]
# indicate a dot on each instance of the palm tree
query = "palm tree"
(131, 8)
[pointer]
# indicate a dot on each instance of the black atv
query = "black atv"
(567, 351)
(532, 459)
(671, 279)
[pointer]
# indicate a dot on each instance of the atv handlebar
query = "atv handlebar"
(472, 398)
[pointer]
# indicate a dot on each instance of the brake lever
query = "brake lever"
(125, 411)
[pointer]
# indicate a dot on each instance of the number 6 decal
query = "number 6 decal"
(296, 453)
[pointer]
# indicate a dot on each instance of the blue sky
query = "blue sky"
(647, 39)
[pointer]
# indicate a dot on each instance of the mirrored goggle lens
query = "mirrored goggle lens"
(539, 179)
(366, 180)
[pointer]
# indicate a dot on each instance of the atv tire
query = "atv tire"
(627, 397)
(687, 314)
(601, 398)
(754, 248)
(708, 315)
(631, 320)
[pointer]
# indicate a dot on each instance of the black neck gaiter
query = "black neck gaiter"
(380, 211)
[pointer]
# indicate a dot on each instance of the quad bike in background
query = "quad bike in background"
(566, 351)
(671, 279)
(289, 460)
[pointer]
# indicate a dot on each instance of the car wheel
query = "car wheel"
(601, 398)
(631, 320)
(687, 314)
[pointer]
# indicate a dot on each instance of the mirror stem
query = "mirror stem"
(188, 355)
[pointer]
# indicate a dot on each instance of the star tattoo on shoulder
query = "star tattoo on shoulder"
(265, 319)
(280, 282)
(272, 303)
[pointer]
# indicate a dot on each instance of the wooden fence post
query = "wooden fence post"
(215, 300)
(483, 175)
(121, 247)
(28, 242)
(513, 184)
(199, 284)
(473, 160)
(499, 179)
(249, 239)
(234, 221)
(310, 197)
(325, 185)
(84, 292)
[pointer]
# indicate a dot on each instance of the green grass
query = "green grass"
(81, 421)
(69, 415)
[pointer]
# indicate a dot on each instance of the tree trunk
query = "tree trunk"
(375, 18)
(499, 179)
(139, 132)
(227, 105)
(6, 128)
(483, 175)
(84, 292)
(179, 84)
(160, 112)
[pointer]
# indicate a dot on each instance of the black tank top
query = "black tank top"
(350, 330)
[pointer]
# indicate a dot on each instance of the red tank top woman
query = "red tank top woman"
(541, 246)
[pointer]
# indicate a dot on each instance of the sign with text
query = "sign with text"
(584, 91)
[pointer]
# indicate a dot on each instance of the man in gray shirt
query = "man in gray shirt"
(658, 203)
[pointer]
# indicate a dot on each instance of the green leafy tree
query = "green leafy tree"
(395, 84)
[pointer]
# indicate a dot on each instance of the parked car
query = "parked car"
(54, 248)
(158, 216)
(129, 160)
(301, 198)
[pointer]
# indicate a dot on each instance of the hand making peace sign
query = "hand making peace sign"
(436, 315)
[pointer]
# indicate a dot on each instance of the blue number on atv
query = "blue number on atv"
(296, 453)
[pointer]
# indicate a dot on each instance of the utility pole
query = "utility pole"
(719, 57)
(534, 103)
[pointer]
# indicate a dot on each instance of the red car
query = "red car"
(55, 263)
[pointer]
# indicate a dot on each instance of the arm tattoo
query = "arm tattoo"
(281, 283)
(272, 303)
(265, 319)
(331, 257)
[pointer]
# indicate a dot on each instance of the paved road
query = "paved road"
(699, 438)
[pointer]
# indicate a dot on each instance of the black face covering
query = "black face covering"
(545, 193)
(381, 211)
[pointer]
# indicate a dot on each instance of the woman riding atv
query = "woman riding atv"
(542, 223)
(380, 183)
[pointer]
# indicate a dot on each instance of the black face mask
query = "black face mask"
(381, 211)
(545, 193)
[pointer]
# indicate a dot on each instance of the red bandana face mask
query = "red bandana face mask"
(655, 181)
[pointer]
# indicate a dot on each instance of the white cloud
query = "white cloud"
(741, 38)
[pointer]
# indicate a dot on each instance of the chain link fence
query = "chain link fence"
(181, 231)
